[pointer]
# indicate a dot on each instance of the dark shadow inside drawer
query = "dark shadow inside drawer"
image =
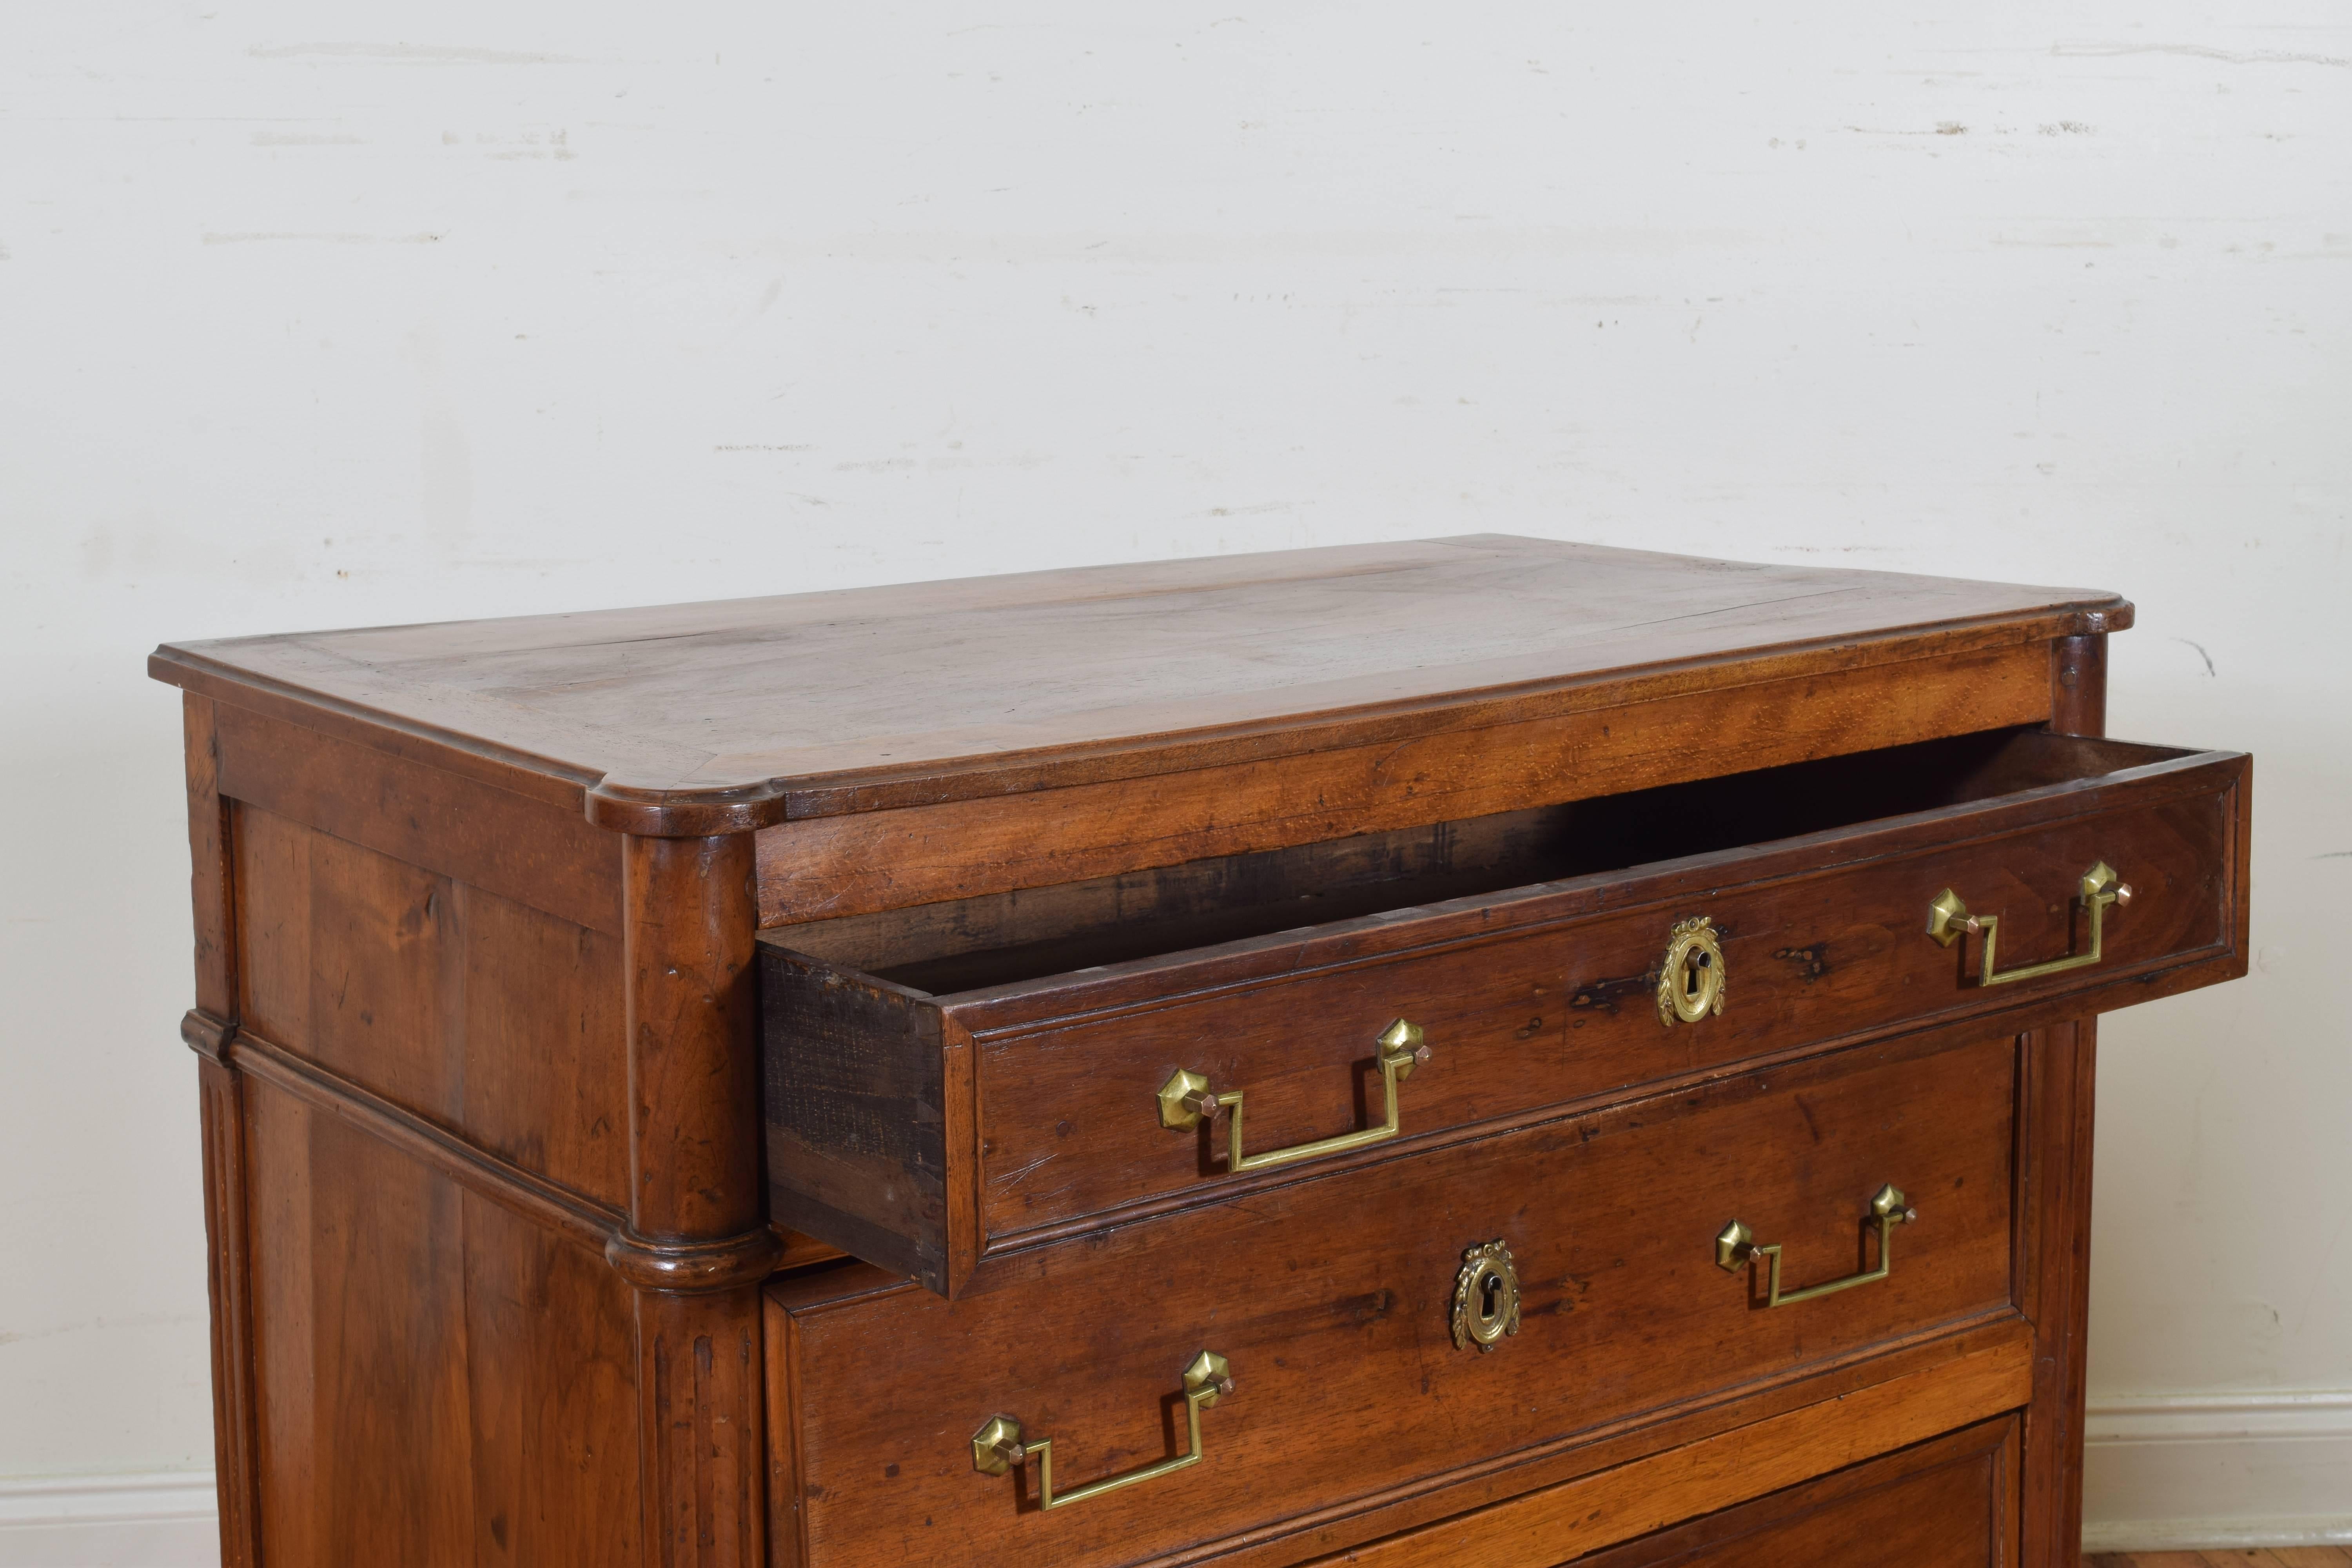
(1006, 938)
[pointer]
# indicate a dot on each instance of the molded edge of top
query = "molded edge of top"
(695, 810)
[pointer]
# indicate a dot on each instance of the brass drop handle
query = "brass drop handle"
(1186, 1100)
(1736, 1247)
(1949, 920)
(997, 1449)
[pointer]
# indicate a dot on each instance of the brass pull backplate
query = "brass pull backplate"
(1186, 1100)
(1948, 920)
(998, 1448)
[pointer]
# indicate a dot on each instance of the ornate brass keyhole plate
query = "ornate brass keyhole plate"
(1691, 977)
(1485, 1298)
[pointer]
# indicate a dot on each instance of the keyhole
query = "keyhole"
(1490, 1294)
(1693, 963)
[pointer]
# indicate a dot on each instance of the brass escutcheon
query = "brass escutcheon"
(1691, 976)
(1485, 1298)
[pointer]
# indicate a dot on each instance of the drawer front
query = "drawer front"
(1334, 1302)
(1816, 943)
(1949, 1503)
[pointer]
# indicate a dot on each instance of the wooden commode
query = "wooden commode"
(1476, 1051)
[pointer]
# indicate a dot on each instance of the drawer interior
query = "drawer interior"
(1005, 938)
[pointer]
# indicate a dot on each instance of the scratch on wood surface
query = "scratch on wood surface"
(1021, 1173)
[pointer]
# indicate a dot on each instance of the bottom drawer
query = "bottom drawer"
(1341, 1303)
(1950, 1503)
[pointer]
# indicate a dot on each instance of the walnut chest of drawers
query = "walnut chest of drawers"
(1476, 1051)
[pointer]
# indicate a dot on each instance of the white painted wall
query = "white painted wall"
(386, 312)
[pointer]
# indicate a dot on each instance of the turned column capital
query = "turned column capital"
(682, 1268)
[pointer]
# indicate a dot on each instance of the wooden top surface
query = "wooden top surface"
(869, 696)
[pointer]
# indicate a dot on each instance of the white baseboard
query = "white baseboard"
(2181, 1472)
(161, 1521)
(2161, 1472)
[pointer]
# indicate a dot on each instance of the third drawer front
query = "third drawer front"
(1376, 1333)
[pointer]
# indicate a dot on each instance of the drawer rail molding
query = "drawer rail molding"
(1186, 1101)
(998, 1448)
(1736, 1247)
(1949, 920)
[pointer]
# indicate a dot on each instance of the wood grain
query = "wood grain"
(228, 1260)
(1533, 997)
(2062, 1065)
(552, 1415)
(551, 1207)
(211, 869)
(1561, 1014)
(694, 1183)
(520, 848)
(933, 691)
(220, 1097)
(486, 1058)
(700, 1426)
(1949, 1502)
(474, 911)
(1558, 1524)
(360, 1332)
(1619, 1443)
(498, 1021)
(856, 1114)
(2055, 1208)
(2229, 1557)
(413, 1408)
(914, 855)
(1332, 1299)
(2078, 685)
(993, 939)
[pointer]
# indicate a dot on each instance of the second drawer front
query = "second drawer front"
(1333, 1300)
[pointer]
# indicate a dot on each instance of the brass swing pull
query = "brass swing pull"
(1736, 1247)
(1949, 920)
(1186, 1100)
(997, 1449)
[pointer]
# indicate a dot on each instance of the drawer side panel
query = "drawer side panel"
(856, 1118)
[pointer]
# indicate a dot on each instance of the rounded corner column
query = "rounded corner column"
(698, 1245)
(2078, 685)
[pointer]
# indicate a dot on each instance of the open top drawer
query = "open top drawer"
(948, 1082)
